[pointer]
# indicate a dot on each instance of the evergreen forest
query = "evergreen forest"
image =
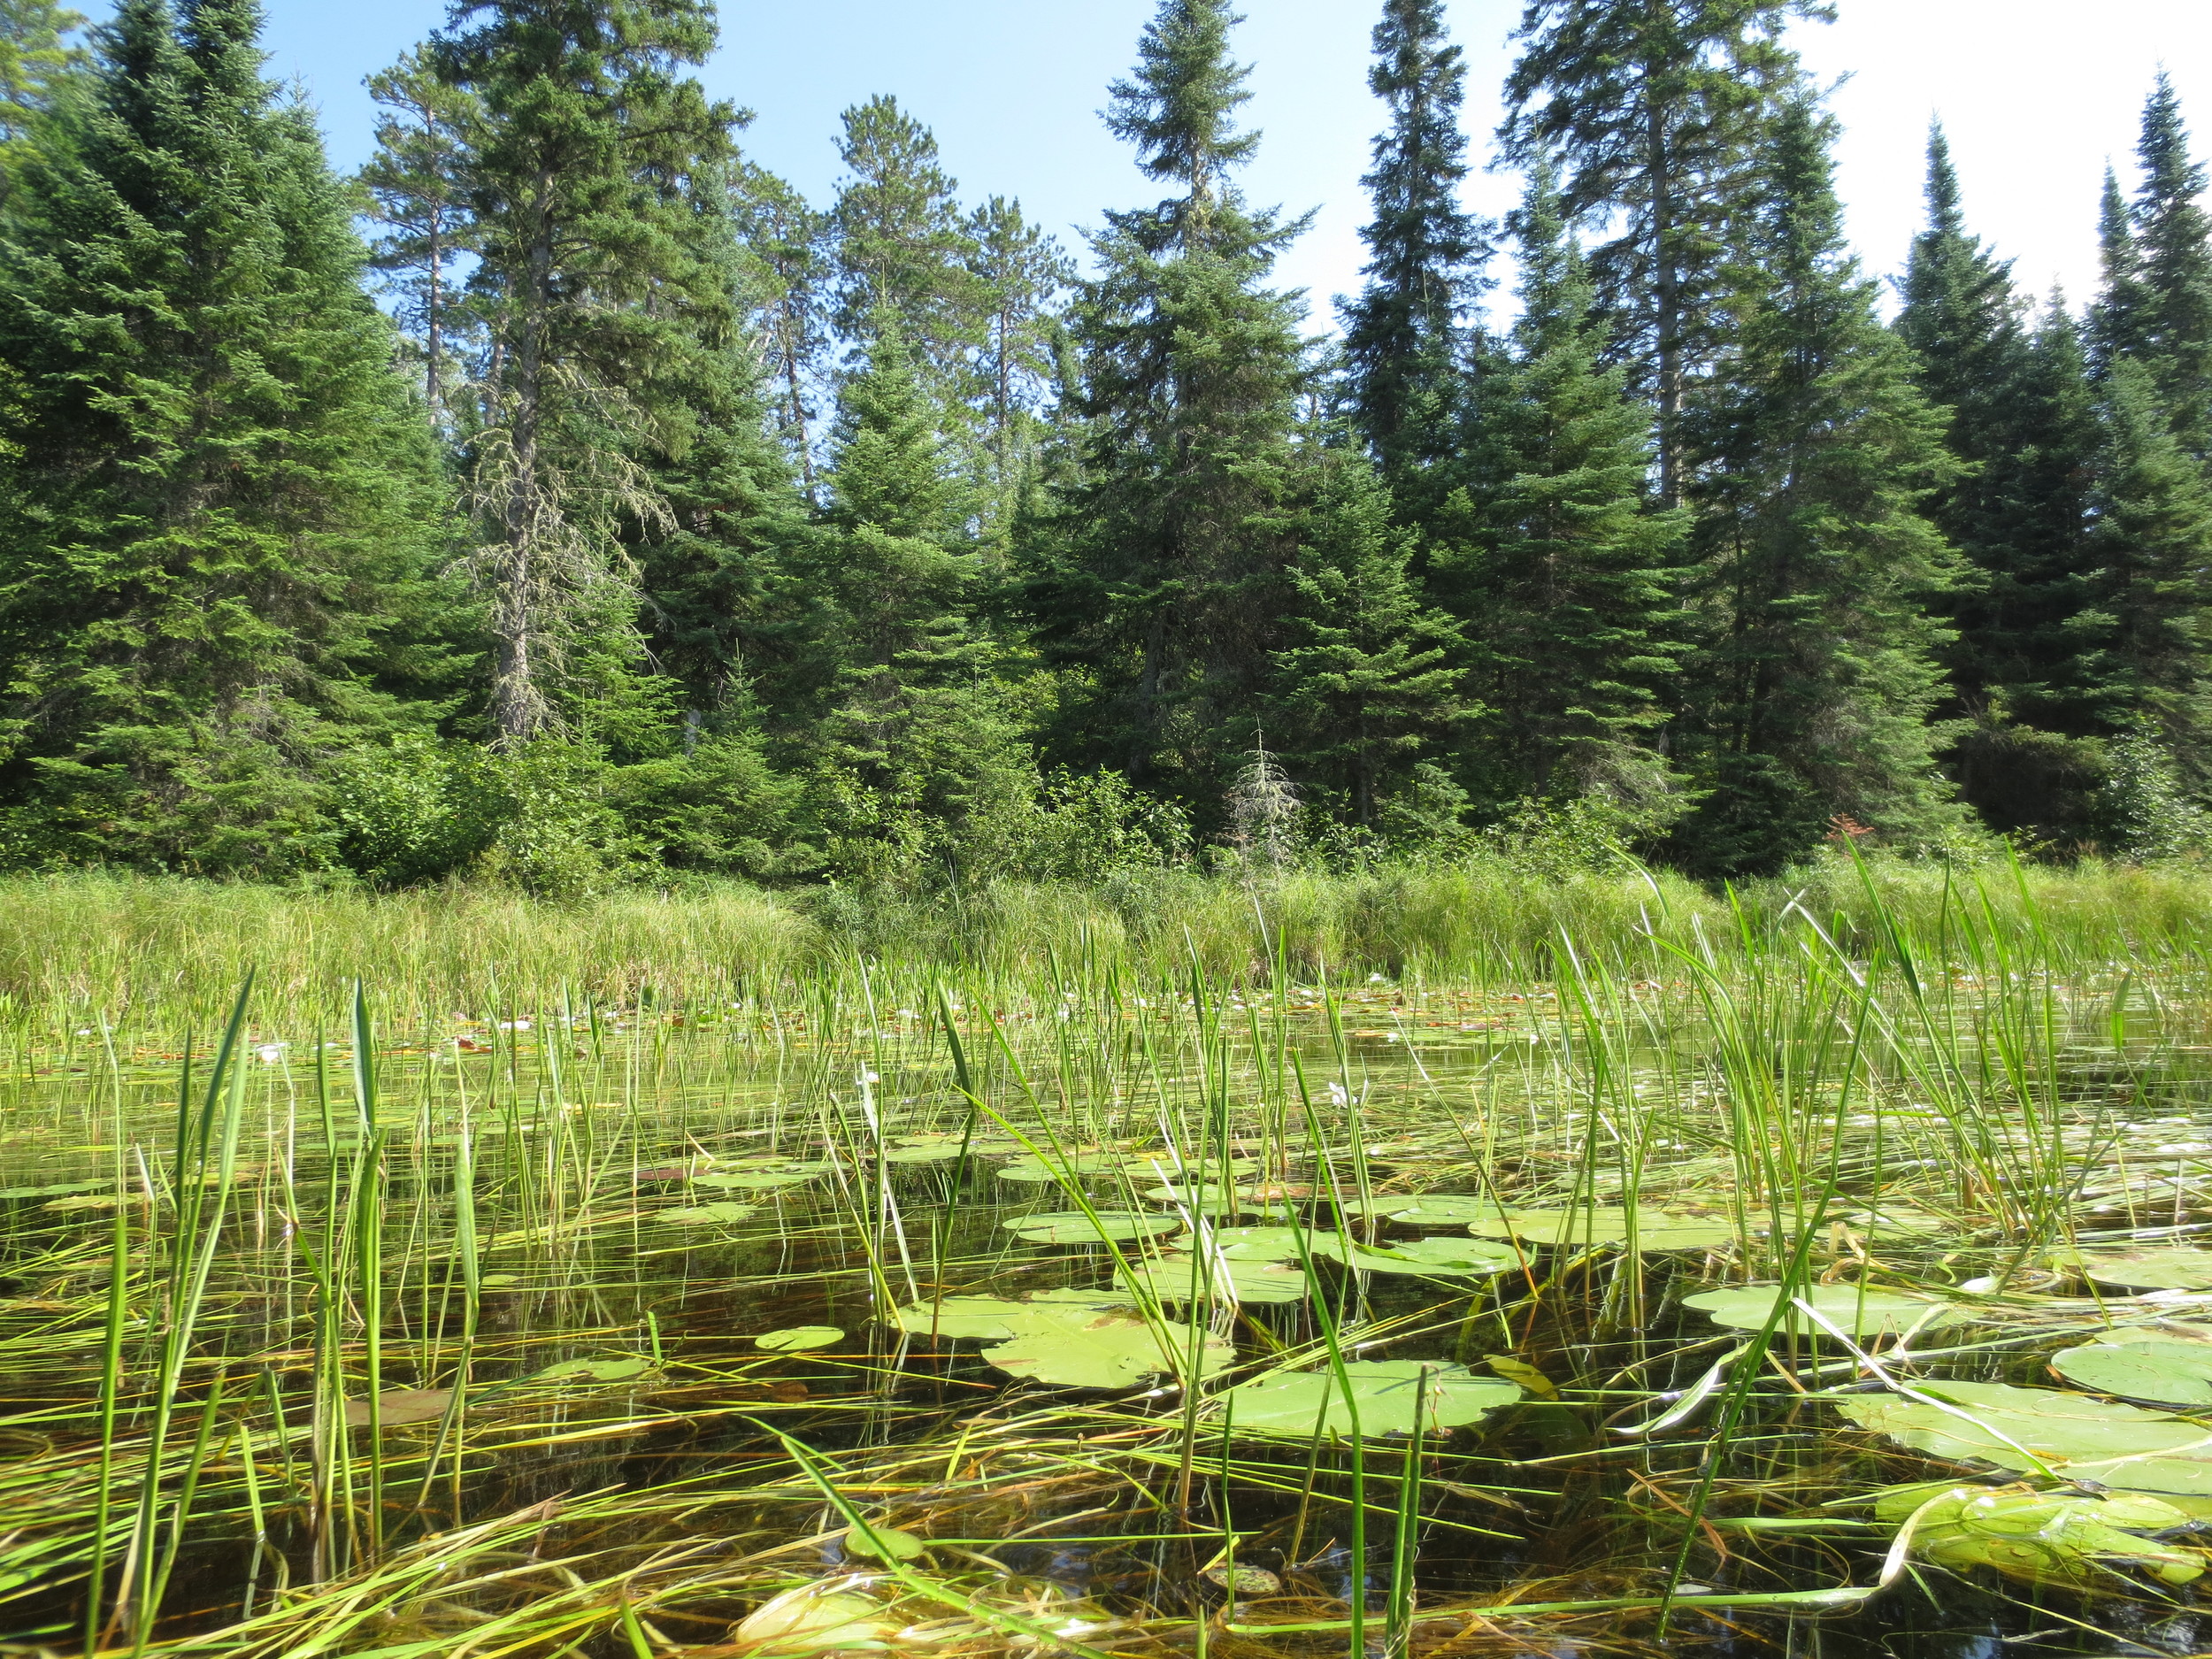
(566, 501)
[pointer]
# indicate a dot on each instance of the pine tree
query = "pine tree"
(1656, 111)
(214, 487)
(417, 181)
(2146, 637)
(788, 247)
(904, 247)
(1366, 681)
(1566, 577)
(1815, 687)
(1022, 271)
(598, 187)
(1405, 336)
(1165, 570)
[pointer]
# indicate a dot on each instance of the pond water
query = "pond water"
(1816, 1311)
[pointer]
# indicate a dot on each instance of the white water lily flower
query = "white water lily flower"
(270, 1053)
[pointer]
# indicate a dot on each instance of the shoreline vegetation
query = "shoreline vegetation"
(119, 942)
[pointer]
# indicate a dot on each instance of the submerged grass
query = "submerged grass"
(1394, 1266)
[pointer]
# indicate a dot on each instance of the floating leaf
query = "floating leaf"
(812, 1619)
(1209, 1196)
(1258, 1244)
(59, 1189)
(2041, 1537)
(1089, 1347)
(1429, 1258)
(798, 1338)
(1072, 1226)
(2166, 1373)
(399, 1408)
(883, 1543)
(1520, 1372)
(1426, 1209)
(708, 1215)
(765, 1182)
(2169, 1268)
(1074, 1166)
(1856, 1311)
(596, 1371)
(1292, 1403)
(1243, 1580)
(1653, 1229)
(2056, 1426)
(963, 1318)
(1182, 1279)
(930, 1152)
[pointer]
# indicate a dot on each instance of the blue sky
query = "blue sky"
(2036, 94)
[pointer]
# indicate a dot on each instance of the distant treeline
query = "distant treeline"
(566, 499)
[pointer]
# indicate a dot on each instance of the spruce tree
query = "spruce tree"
(1022, 272)
(1163, 571)
(917, 739)
(214, 490)
(2166, 322)
(598, 184)
(1405, 336)
(1366, 681)
(1656, 112)
(2145, 636)
(37, 53)
(1818, 676)
(1565, 576)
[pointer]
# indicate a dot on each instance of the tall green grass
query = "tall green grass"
(117, 943)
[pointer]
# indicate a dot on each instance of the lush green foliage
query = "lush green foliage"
(664, 525)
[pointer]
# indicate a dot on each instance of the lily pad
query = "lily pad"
(1089, 1347)
(58, 1189)
(2041, 1537)
(1072, 1226)
(1653, 1229)
(883, 1543)
(1426, 1209)
(963, 1319)
(1073, 1167)
(930, 1152)
(595, 1371)
(708, 1215)
(799, 1338)
(1183, 1278)
(764, 1181)
(1260, 1244)
(1999, 1420)
(1294, 1403)
(399, 1408)
(2166, 1373)
(1209, 1196)
(1850, 1309)
(2165, 1268)
(1428, 1258)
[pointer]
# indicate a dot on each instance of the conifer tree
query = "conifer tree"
(36, 52)
(1021, 271)
(2020, 422)
(2160, 309)
(418, 181)
(903, 246)
(214, 488)
(1656, 111)
(787, 244)
(1365, 680)
(2146, 637)
(915, 726)
(597, 185)
(1565, 576)
(1405, 336)
(1166, 567)
(1818, 673)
